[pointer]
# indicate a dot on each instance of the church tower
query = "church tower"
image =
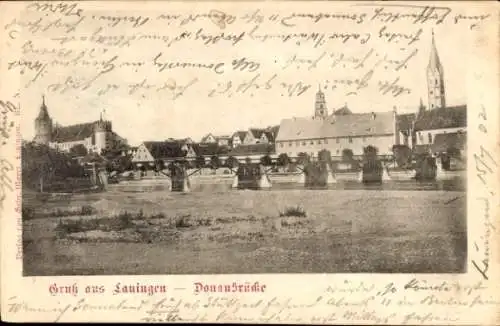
(320, 110)
(43, 125)
(102, 128)
(435, 79)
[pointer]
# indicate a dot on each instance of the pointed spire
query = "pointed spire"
(434, 62)
(44, 113)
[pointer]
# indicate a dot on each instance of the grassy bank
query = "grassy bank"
(251, 232)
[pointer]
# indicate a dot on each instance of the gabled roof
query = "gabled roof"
(300, 128)
(349, 125)
(442, 118)
(240, 134)
(252, 149)
(206, 137)
(164, 149)
(342, 111)
(442, 142)
(256, 132)
(73, 133)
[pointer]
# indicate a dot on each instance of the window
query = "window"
(319, 141)
(326, 141)
(350, 140)
(297, 143)
(429, 136)
(281, 144)
(311, 142)
(364, 139)
(338, 152)
(437, 83)
(290, 144)
(303, 143)
(338, 140)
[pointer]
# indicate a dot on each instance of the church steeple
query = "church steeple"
(44, 113)
(43, 125)
(435, 79)
(320, 110)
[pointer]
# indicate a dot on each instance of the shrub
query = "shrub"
(124, 220)
(87, 210)
(283, 159)
(266, 160)
(182, 221)
(27, 213)
(296, 211)
(347, 155)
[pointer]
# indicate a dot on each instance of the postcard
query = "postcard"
(277, 162)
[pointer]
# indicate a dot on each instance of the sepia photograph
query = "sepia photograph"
(264, 162)
(322, 187)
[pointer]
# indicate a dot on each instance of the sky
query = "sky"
(140, 117)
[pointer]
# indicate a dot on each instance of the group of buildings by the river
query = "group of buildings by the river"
(435, 128)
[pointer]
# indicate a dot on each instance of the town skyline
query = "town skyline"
(241, 113)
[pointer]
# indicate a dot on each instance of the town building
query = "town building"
(151, 153)
(219, 140)
(95, 136)
(437, 127)
(432, 129)
(254, 136)
(338, 131)
(237, 138)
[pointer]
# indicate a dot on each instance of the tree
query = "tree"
(283, 159)
(41, 165)
(266, 160)
(215, 162)
(78, 150)
(402, 155)
(231, 162)
(324, 156)
(347, 155)
(199, 162)
(122, 163)
(370, 152)
(302, 158)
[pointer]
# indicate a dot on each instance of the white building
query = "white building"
(338, 131)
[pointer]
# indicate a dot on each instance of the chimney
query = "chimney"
(373, 115)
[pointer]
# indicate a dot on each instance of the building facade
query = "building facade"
(436, 127)
(95, 136)
(338, 132)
